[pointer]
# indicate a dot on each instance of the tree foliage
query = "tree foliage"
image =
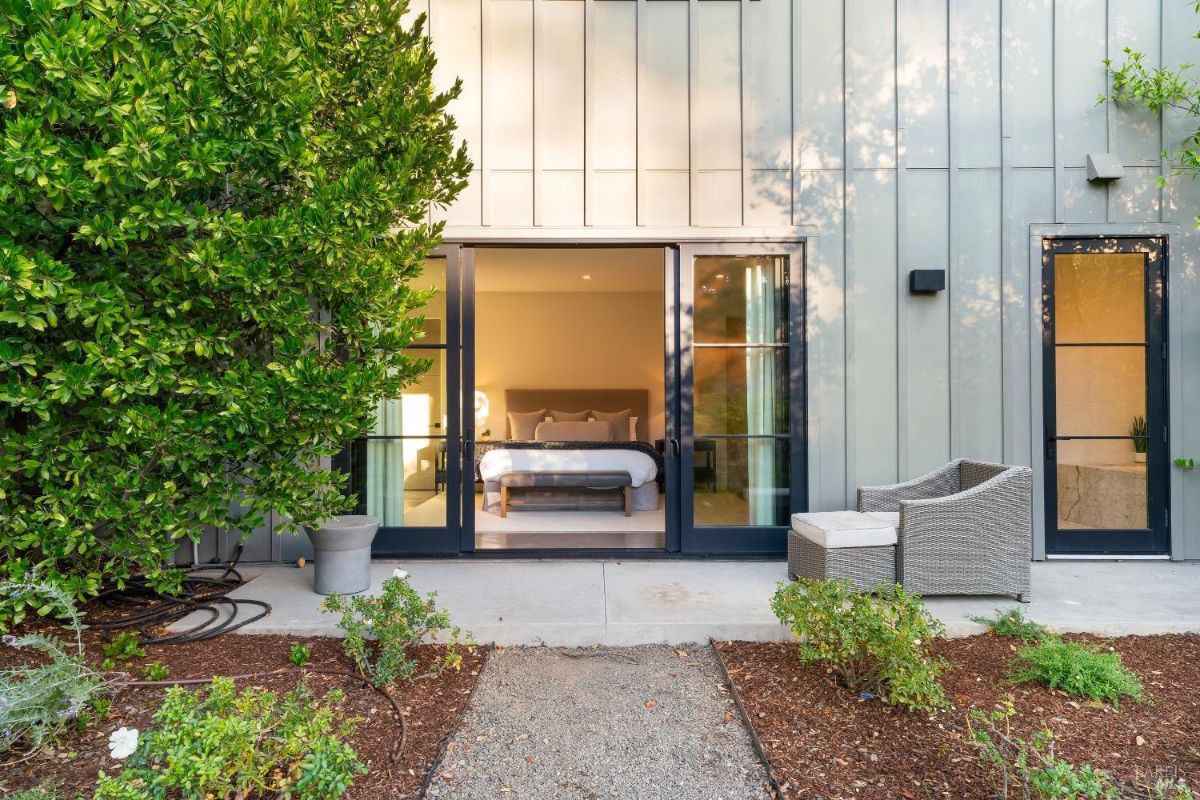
(210, 212)
(1162, 90)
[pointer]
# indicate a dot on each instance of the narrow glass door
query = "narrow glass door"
(407, 471)
(1104, 381)
(742, 466)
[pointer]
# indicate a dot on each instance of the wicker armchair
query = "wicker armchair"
(964, 528)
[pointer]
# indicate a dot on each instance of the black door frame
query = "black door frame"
(442, 540)
(744, 540)
(457, 538)
(1155, 540)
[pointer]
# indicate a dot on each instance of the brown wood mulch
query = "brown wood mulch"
(822, 741)
(432, 709)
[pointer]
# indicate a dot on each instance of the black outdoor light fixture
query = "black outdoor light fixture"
(926, 281)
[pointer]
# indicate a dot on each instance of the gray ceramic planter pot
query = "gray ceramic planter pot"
(342, 550)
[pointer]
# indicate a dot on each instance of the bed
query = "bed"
(590, 445)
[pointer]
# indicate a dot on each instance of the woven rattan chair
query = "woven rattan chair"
(964, 528)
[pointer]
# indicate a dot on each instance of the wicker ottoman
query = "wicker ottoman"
(842, 544)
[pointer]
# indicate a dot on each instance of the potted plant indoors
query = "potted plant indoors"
(1140, 440)
(342, 551)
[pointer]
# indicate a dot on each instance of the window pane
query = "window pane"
(741, 481)
(741, 299)
(1100, 390)
(1095, 494)
(741, 390)
(1100, 297)
(434, 312)
(404, 482)
(421, 409)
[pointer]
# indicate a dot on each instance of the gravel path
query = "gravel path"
(647, 722)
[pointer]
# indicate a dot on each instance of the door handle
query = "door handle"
(675, 446)
(1051, 445)
(468, 441)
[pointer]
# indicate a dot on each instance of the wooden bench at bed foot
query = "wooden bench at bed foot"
(575, 481)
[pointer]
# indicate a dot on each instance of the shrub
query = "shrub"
(1029, 769)
(1011, 624)
(299, 655)
(379, 630)
(1077, 668)
(876, 642)
(183, 183)
(123, 647)
(38, 701)
(217, 742)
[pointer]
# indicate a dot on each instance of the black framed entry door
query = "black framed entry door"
(408, 470)
(741, 396)
(1105, 396)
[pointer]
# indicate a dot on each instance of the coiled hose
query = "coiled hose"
(140, 607)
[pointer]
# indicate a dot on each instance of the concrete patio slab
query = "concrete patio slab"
(576, 603)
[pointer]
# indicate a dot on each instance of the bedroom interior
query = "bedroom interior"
(569, 382)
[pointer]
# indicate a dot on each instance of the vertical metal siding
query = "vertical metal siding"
(898, 134)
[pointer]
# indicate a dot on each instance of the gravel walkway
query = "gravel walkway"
(647, 722)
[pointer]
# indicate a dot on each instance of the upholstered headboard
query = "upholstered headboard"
(578, 399)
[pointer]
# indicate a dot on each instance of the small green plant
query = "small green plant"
(1029, 769)
(1186, 464)
(1077, 668)
(1138, 431)
(875, 643)
(1011, 624)
(38, 701)
(299, 655)
(123, 647)
(380, 630)
(217, 742)
(155, 672)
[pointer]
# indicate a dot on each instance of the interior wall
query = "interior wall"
(563, 340)
(1099, 298)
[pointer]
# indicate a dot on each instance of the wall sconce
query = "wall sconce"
(483, 409)
(926, 281)
(1104, 167)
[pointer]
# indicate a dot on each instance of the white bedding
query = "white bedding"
(494, 463)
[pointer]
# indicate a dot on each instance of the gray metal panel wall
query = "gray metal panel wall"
(899, 134)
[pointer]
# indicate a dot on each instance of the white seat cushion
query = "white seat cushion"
(838, 529)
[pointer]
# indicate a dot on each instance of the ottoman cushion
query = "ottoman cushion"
(840, 529)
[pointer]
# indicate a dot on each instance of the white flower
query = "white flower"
(122, 742)
(399, 573)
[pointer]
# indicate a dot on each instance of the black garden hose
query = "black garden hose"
(140, 607)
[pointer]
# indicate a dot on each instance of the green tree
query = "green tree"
(210, 212)
(1161, 89)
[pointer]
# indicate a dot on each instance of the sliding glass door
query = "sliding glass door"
(407, 471)
(742, 464)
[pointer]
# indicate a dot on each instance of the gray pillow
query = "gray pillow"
(619, 421)
(570, 416)
(522, 424)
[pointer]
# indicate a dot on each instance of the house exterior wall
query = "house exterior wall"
(893, 134)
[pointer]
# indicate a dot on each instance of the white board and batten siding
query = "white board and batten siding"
(892, 134)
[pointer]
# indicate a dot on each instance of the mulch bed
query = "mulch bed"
(823, 742)
(432, 709)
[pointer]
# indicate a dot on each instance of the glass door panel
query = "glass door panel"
(403, 472)
(1105, 394)
(743, 382)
